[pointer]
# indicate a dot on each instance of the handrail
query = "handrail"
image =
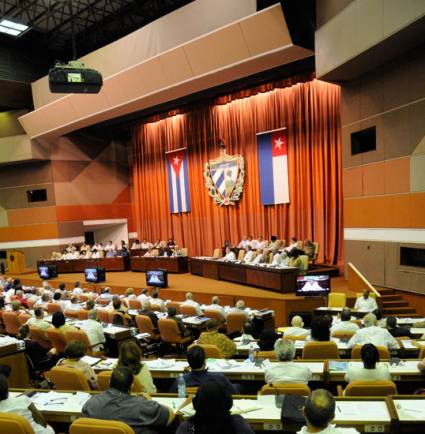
(354, 273)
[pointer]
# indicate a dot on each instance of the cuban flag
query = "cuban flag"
(178, 181)
(273, 165)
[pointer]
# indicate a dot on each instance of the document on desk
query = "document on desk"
(113, 330)
(337, 366)
(369, 411)
(91, 360)
(410, 409)
(408, 344)
(106, 364)
(166, 364)
(60, 401)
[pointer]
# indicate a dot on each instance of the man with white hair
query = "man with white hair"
(297, 328)
(94, 331)
(319, 412)
(286, 371)
(215, 305)
(240, 308)
(191, 302)
(366, 302)
(372, 334)
(345, 324)
(249, 255)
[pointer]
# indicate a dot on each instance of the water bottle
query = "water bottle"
(181, 386)
(251, 353)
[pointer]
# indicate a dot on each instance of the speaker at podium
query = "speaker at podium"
(15, 261)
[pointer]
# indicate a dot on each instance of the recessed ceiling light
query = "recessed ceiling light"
(12, 28)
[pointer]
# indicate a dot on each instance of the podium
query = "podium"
(15, 261)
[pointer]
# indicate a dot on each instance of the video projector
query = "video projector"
(74, 77)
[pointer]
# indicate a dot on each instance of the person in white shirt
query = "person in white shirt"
(85, 247)
(215, 305)
(94, 331)
(366, 302)
(245, 242)
(372, 334)
(249, 255)
(85, 254)
(319, 412)
(98, 247)
(73, 305)
(37, 321)
(345, 324)
(292, 245)
(240, 308)
(96, 254)
(260, 258)
(136, 245)
(369, 370)
(297, 328)
(144, 296)
(230, 256)
(259, 244)
(191, 302)
(110, 247)
(42, 302)
(71, 248)
(286, 371)
(77, 289)
(146, 245)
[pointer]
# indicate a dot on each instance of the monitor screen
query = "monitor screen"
(157, 278)
(44, 271)
(91, 275)
(313, 286)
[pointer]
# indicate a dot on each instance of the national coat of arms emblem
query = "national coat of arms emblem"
(224, 177)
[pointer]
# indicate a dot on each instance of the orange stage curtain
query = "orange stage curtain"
(310, 111)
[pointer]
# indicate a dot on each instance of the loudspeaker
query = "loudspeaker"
(306, 316)
(89, 237)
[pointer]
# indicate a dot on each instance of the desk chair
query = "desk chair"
(175, 304)
(103, 315)
(383, 352)
(343, 334)
(23, 318)
(103, 301)
(40, 336)
(192, 390)
(11, 423)
(65, 378)
(80, 335)
(71, 314)
(369, 388)
(82, 314)
(185, 251)
(104, 378)
(235, 322)
(294, 337)
(11, 323)
(170, 333)
(188, 310)
(271, 355)
(212, 313)
(83, 298)
(57, 339)
(133, 303)
(285, 389)
(53, 307)
(85, 425)
(320, 350)
(144, 325)
(217, 253)
(241, 254)
(337, 299)
(316, 252)
(211, 351)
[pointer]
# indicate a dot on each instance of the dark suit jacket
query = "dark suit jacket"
(151, 315)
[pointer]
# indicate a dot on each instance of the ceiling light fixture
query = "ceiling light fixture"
(12, 28)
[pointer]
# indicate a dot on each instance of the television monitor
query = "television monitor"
(47, 272)
(313, 286)
(158, 278)
(94, 274)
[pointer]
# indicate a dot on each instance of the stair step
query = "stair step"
(397, 310)
(394, 297)
(397, 303)
(385, 291)
(409, 315)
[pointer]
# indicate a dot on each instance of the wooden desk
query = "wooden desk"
(409, 411)
(336, 310)
(173, 264)
(276, 279)
(118, 263)
(13, 355)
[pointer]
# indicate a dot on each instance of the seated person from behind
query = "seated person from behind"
(74, 352)
(116, 403)
(267, 340)
(156, 301)
(215, 305)
(372, 334)
(240, 308)
(229, 256)
(366, 302)
(23, 406)
(58, 322)
(74, 305)
(130, 357)
(320, 329)
(212, 404)
(395, 331)
(199, 373)
(297, 328)
(119, 309)
(249, 255)
(94, 330)
(345, 324)
(191, 302)
(248, 331)
(172, 312)
(37, 321)
(286, 371)
(319, 412)
(147, 311)
(212, 337)
(369, 371)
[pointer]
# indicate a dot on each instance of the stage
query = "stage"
(203, 289)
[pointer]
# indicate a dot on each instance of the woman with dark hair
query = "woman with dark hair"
(369, 371)
(130, 357)
(22, 406)
(74, 352)
(267, 340)
(212, 405)
(58, 322)
(320, 329)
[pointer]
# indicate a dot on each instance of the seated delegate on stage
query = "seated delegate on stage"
(280, 259)
(261, 257)
(245, 242)
(230, 256)
(309, 249)
(136, 245)
(249, 255)
(366, 302)
(292, 245)
(259, 244)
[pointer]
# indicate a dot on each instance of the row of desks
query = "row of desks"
(393, 414)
